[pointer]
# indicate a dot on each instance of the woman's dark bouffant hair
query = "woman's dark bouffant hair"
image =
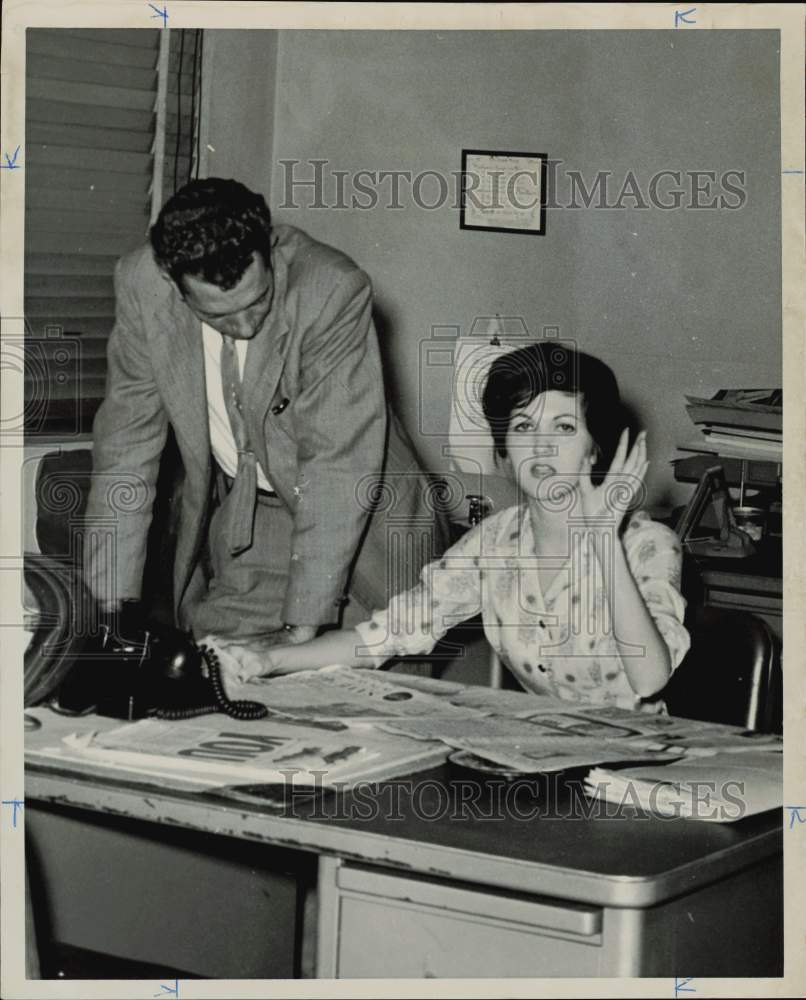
(516, 378)
(212, 228)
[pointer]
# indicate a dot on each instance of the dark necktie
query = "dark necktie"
(243, 495)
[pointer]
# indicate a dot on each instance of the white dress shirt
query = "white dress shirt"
(222, 442)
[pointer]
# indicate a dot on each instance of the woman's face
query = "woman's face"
(548, 443)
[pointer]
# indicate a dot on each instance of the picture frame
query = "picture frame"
(503, 191)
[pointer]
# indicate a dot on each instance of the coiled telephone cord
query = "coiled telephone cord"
(240, 709)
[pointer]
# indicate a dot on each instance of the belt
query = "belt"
(228, 481)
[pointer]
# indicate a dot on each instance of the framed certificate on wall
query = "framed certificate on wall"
(503, 192)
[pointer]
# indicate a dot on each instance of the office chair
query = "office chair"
(731, 674)
(62, 487)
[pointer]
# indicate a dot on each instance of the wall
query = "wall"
(238, 81)
(676, 301)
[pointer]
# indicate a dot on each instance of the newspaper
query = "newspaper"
(657, 732)
(352, 724)
(518, 730)
(217, 750)
(524, 746)
(550, 735)
(722, 788)
(348, 696)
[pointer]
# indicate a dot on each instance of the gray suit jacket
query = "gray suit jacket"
(326, 451)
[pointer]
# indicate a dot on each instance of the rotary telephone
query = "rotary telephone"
(127, 668)
(151, 670)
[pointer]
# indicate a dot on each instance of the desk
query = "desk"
(754, 585)
(413, 882)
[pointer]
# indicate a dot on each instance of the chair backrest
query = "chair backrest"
(62, 488)
(62, 485)
(731, 674)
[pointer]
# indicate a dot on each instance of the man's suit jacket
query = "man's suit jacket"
(317, 419)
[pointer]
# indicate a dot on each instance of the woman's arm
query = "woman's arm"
(340, 646)
(449, 591)
(643, 649)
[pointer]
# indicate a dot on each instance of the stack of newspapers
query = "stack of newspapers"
(741, 423)
(721, 788)
(340, 726)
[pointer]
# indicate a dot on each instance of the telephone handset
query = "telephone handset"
(148, 670)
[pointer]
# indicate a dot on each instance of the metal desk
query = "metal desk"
(416, 879)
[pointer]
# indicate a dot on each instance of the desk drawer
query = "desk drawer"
(205, 905)
(398, 927)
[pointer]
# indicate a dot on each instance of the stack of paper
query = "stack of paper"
(721, 788)
(213, 751)
(343, 726)
(524, 746)
(742, 423)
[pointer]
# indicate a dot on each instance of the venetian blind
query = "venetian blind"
(91, 134)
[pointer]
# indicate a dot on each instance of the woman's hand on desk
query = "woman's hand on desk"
(272, 654)
(242, 658)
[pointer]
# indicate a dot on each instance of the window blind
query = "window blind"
(89, 169)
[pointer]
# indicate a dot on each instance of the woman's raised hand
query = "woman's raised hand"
(622, 488)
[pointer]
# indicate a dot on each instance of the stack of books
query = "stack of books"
(741, 423)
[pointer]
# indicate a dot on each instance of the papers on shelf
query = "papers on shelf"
(722, 788)
(740, 423)
(747, 448)
(734, 408)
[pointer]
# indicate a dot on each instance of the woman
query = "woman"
(579, 597)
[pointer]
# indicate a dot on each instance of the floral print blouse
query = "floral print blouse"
(559, 642)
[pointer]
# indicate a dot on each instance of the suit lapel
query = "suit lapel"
(180, 363)
(264, 359)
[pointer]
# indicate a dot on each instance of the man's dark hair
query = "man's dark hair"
(516, 378)
(211, 229)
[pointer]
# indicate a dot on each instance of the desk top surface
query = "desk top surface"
(546, 838)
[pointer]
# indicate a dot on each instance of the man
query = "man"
(256, 343)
